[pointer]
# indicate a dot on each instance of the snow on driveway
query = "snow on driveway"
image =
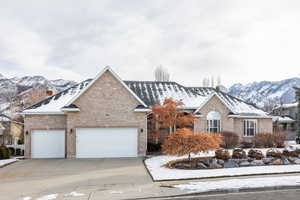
(233, 184)
(7, 161)
(160, 173)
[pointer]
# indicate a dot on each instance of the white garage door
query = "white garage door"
(48, 144)
(106, 142)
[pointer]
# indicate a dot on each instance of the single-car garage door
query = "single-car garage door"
(106, 142)
(48, 144)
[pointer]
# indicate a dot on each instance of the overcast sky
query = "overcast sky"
(242, 41)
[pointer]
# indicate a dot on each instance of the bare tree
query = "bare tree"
(161, 74)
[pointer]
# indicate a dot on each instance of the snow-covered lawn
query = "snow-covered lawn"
(156, 167)
(233, 184)
(7, 161)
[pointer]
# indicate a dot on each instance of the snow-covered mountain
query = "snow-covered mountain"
(266, 92)
(14, 86)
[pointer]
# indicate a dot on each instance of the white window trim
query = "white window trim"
(245, 127)
(209, 127)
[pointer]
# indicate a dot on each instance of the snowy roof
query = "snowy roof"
(152, 92)
(288, 105)
(282, 119)
(53, 104)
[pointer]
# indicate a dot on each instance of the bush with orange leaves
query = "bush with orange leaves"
(185, 142)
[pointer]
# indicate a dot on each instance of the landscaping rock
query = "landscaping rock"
(285, 161)
(245, 164)
(267, 160)
(214, 165)
(257, 163)
(230, 164)
(292, 159)
(297, 161)
(206, 162)
(250, 159)
(221, 162)
(277, 162)
(201, 166)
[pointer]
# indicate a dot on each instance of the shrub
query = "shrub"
(222, 154)
(274, 153)
(247, 144)
(152, 147)
(264, 140)
(294, 153)
(11, 150)
(231, 140)
(239, 154)
(185, 141)
(257, 154)
(278, 139)
(4, 152)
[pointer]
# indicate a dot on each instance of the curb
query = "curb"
(8, 164)
(225, 191)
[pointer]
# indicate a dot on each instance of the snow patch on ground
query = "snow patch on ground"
(74, 194)
(240, 184)
(7, 161)
(26, 198)
(156, 168)
(48, 197)
(116, 192)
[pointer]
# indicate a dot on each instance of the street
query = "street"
(261, 195)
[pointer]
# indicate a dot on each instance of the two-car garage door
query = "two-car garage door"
(90, 143)
(106, 142)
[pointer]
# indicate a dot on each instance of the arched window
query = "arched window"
(213, 122)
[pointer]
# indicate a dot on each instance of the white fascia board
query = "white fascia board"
(250, 117)
(96, 78)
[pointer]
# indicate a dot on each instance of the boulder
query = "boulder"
(277, 162)
(267, 160)
(285, 161)
(297, 161)
(182, 165)
(244, 164)
(206, 162)
(230, 164)
(221, 162)
(257, 163)
(201, 166)
(292, 159)
(214, 165)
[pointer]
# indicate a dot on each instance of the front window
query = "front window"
(250, 127)
(214, 122)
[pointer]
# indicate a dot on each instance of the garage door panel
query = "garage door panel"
(48, 144)
(106, 142)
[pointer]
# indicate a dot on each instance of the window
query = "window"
(250, 127)
(213, 122)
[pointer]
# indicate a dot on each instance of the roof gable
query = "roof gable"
(106, 69)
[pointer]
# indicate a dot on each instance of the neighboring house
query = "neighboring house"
(10, 130)
(107, 117)
(285, 119)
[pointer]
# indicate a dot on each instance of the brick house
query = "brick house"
(107, 117)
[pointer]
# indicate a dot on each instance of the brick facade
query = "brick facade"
(107, 103)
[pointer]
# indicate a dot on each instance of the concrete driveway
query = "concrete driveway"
(95, 178)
